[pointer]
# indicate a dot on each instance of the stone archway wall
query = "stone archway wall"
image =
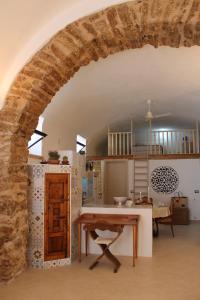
(133, 24)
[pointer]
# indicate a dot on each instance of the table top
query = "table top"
(160, 212)
(109, 206)
(112, 219)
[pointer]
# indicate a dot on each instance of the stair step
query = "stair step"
(141, 173)
(141, 186)
(144, 180)
(141, 167)
(141, 177)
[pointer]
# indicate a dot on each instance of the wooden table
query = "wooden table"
(160, 212)
(112, 219)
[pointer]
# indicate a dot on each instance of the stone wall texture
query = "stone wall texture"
(129, 25)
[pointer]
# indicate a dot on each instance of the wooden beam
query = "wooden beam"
(137, 157)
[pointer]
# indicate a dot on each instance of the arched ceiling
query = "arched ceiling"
(168, 76)
(25, 26)
(116, 89)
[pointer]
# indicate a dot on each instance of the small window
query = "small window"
(80, 144)
(37, 148)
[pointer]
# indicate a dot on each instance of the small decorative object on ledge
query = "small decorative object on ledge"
(53, 157)
(120, 200)
(43, 162)
(65, 160)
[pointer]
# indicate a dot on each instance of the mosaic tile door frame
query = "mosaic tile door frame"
(36, 198)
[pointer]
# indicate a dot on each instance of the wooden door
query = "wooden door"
(57, 216)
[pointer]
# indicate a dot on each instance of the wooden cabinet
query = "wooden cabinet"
(57, 216)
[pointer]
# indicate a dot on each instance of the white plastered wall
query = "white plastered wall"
(189, 180)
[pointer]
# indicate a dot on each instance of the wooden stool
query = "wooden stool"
(105, 242)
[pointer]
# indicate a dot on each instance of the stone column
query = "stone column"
(13, 202)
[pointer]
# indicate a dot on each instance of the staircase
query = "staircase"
(141, 178)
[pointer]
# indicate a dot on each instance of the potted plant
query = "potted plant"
(53, 157)
(65, 160)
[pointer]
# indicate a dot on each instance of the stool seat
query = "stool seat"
(103, 240)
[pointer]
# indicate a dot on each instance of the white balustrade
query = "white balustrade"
(174, 142)
(119, 143)
(183, 141)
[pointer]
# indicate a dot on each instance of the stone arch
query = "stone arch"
(129, 25)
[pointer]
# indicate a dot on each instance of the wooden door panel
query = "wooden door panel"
(56, 216)
(56, 191)
(56, 245)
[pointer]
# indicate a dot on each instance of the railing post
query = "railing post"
(146, 140)
(108, 141)
(185, 145)
(176, 144)
(163, 142)
(180, 141)
(193, 142)
(158, 141)
(167, 142)
(120, 144)
(189, 131)
(116, 135)
(150, 133)
(197, 135)
(131, 137)
(128, 143)
(171, 142)
(112, 143)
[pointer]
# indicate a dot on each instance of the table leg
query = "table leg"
(86, 242)
(155, 228)
(79, 242)
(133, 245)
(135, 229)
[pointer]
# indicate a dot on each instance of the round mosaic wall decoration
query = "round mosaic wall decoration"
(164, 180)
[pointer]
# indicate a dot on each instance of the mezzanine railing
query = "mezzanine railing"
(183, 141)
(120, 143)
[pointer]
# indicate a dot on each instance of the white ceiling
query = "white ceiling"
(116, 89)
(25, 26)
(111, 90)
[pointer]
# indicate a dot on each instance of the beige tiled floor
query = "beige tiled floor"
(173, 273)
